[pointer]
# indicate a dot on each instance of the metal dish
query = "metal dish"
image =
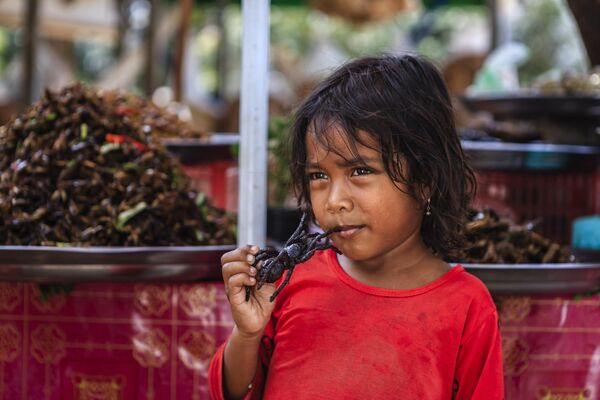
(216, 147)
(110, 264)
(538, 278)
(530, 156)
(535, 105)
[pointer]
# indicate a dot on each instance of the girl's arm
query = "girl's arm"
(240, 356)
(240, 361)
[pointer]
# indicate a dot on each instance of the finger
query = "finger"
(239, 254)
(237, 283)
(238, 267)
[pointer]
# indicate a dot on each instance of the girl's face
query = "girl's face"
(380, 222)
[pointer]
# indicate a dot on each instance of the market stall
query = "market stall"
(144, 321)
(148, 338)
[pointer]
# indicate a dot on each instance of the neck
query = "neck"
(403, 257)
(407, 266)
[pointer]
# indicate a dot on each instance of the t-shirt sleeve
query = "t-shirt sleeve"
(479, 373)
(215, 370)
(215, 378)
(215, 374)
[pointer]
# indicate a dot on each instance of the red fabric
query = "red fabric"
(331, 337)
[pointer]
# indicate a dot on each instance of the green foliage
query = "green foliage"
(4, 48)
(549, 32)
(279, 160)
(443, 25)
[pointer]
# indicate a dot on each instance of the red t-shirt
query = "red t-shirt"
(332, 337)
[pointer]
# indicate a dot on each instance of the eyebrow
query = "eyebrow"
(348, 163)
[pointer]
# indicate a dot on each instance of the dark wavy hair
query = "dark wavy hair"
(403, 104)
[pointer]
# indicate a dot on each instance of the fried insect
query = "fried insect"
(82, 167)
(298, 249)
(492, 239)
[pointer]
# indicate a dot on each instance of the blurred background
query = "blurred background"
(189, 50)
(520, 72)
(104, 164)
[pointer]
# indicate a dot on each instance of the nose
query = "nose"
(339, 198)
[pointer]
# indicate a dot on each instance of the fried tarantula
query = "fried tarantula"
(298, 249)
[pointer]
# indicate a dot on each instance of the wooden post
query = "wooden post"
(492, 7)
(31, 20)
(121, 28)
(221, 60)
(184, 24)
(150, 50)
(587, 16)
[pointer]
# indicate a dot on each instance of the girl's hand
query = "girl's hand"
(250, 316)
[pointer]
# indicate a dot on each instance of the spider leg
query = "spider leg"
(320, 236)
(315, 241)
(264, 254)
(315, 247)
(311, 236)
(276, 259)
(335, 249)
(299, 230)
(302, 240)
(323, 245)
(283, 284)
(306, 256)
(262, 277)
(310, 243)
(268, 258)
(323, 235)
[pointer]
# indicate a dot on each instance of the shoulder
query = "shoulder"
(464, 283)
(479, 305)
(473, 286)
(466, 298)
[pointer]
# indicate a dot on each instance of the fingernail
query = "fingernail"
(252, 280)
(254, 249)
(252, 270)
(250, 258)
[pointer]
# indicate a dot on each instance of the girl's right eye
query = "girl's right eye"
(313, 176)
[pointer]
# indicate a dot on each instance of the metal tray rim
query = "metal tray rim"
(116, 249)
(537, 267)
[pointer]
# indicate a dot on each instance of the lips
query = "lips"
(348, 231)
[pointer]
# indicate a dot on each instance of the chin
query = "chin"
(353, 253)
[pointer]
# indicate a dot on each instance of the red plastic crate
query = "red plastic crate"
(218, 180)
(554, 197)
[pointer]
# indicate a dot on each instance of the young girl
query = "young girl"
(375, 153)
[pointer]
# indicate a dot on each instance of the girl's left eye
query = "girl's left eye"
(313, 176)
(361, 171)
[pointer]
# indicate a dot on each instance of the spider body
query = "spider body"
(298, 249)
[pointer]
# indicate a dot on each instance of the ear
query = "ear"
(423, 194)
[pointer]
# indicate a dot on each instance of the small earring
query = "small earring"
(428, 209)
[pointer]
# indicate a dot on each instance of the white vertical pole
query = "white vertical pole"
(252, 207)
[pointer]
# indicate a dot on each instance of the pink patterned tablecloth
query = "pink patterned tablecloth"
(154, 341)
(117, 341)
(551, 347)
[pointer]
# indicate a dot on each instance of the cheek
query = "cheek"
(318, 206)
(399, 208)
